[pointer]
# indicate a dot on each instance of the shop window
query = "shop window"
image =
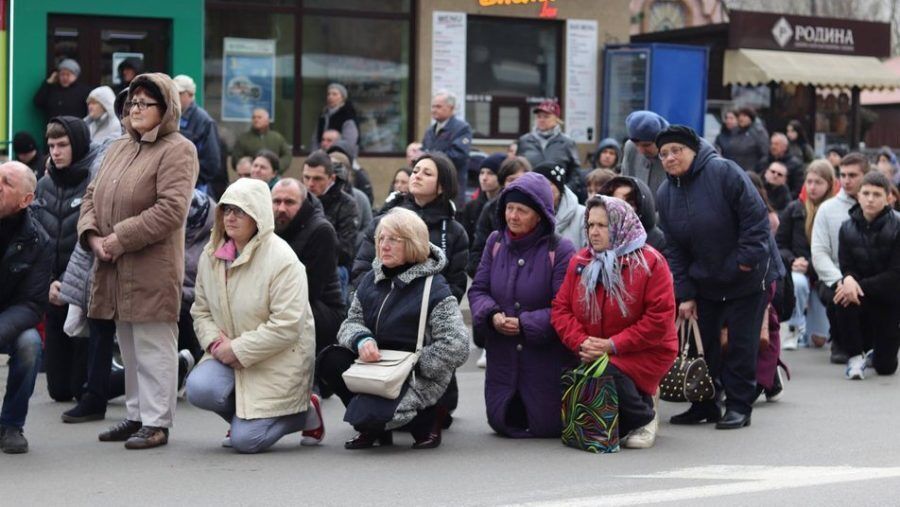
(270, 70)
(511, 64)
(373, 68)
(392, 6)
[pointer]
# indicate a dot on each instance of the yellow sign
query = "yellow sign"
(546, 10)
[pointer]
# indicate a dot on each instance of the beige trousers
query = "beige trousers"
(150, 357)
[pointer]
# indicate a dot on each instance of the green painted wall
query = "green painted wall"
(28, 45)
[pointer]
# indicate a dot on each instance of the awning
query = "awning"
(760, 66)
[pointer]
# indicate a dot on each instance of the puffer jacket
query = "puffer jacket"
(443, 231)
(108, 125)
(570, 219)
(142, 194)
(24, 274)
(791, 237)
(387, 309)
(341, 210)
(870, 253)
(488, 222)
(746, 146)
(715, 220)
(261, 302)
(200, 222)
(560, 149)
(646, 208)
(520, 277)
(57, 199)
(78, 278)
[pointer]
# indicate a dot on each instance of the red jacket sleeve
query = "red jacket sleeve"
(658, 319)
(565, 310)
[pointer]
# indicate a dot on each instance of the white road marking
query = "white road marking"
(752, 479)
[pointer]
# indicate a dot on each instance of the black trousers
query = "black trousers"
(635, 409)
(103, 334)
(734, 370)
(873, 325)
(65, 357)
(333, 361)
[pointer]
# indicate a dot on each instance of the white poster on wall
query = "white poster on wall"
(580, 110)
(448, 56)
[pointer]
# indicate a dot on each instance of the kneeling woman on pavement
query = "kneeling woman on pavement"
(618, 299)
(384, 314)
(521, 269)
(252, 317)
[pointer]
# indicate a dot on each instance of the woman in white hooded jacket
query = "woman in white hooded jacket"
(101, 119)
(252, 317)
(569, 214)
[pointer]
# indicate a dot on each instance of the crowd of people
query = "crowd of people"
(257, 297)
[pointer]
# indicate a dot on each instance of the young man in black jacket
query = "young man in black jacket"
(24, 280)
(866, 298)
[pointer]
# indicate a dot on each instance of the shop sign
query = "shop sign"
(248, 78)
(546, 10)
(763, 30)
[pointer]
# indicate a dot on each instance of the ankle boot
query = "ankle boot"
(366, 440)
(432, 439)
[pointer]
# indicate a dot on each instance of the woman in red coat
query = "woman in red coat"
(618, 299)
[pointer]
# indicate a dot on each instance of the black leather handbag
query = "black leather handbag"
(688, 379)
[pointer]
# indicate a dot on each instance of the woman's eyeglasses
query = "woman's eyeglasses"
(142, 106)
(233, 210)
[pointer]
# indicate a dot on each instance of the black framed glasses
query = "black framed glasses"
(142, 106)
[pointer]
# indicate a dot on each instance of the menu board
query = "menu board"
(581, 80)
(448, 56)
(626, 88)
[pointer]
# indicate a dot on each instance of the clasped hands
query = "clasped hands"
(504, 325)
(848, 292)
(106, 248)
(592, 348)
(221, 350)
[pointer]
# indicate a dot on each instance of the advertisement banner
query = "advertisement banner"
(248, 78)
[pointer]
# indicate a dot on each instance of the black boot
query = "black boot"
(705, 412)
(366, 440)
(87, 409)
(432, 438)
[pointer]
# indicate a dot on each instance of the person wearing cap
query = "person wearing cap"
(489, 186)
(450, 136)
(723, 258)
(26, 151)
(62, 94)
(548, 143)
(567, 209)
(639, 158)
(57, 202)
(522, 268)
(101, 118)
(200, 129)
(338, 115)
(749, 142)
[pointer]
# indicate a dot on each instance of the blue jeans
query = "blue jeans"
(809, 317)
(344, 278)
(24, 359)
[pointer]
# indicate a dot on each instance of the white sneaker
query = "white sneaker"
(645, 436)
(226, 442)
(482, 361)
(856, 368)
(789, 337)
(870, 357)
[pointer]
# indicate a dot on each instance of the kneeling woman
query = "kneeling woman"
(384, 314)
(618, 299)
(252, 317)
(522, 267)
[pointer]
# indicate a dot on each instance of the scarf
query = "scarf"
(626, 238)
(544, 136)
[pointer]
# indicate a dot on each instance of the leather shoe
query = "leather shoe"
(432, 439)
(733, 420)
(120, 432)
(697, 414)
(368, 440)
(148, 437)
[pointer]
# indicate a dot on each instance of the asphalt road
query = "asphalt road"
(829, 441)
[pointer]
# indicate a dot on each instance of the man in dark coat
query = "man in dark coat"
(489, 188)
(200, 129)
(300, 220)
(24, 280)
(778, 152)
(723, 259)
(57, 205)
(27, 152)
(775, 183)
(452, 137)
(62, 94)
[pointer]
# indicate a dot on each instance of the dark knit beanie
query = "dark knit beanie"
(679, 134)
(517, 196)
(23, 142)
(493, 162)
(555, 174)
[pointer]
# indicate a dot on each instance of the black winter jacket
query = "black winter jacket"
(715, 220)
(646, 209)
(55, 100)
(488, 222)
(340, 209)
(57, 199)
(791, 237)
(560, 149)
(794, 167)
(745, 146)
(24, 274)
(468, 217)
(779, 196)
(870, 253)
(443, 231)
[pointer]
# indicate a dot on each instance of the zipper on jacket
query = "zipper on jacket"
(378, 318)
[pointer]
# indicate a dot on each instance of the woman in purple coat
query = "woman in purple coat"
(523, 265)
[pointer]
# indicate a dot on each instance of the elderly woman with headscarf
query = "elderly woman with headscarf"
(338, 114)
(618, 299)
(521, 269)
(252, 317)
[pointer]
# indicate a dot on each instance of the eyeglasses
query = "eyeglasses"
(675, 152)
(142, 106)
(390, 240)
(234, 210)
(776, 173)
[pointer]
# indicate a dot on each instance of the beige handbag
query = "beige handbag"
(386, 376)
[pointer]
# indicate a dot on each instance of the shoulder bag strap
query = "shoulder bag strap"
(696, 331)
(423, 313)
